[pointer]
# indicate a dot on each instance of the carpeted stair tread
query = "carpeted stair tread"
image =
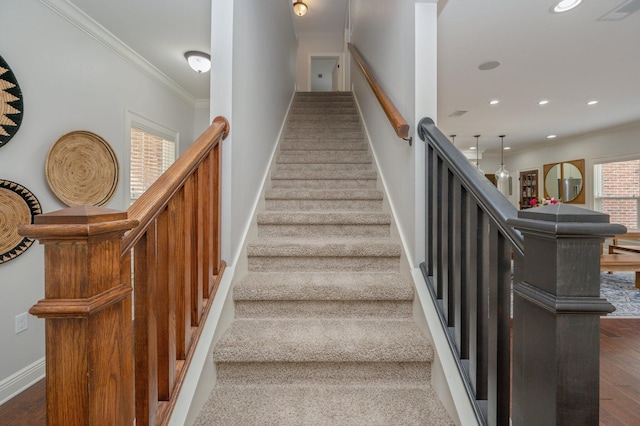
(323, 247)
(309, 224)
(321, 145)
(323, 286)
(323, 405)
(323, 175)
(323, 166)
(323, 340)
(320, 194)
(323, 218)
(317, 157)
(324, 373)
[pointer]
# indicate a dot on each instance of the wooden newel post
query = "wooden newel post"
(88, 317)
(556, 316)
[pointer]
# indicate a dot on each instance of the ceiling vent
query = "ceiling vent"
(622, 11)
(458, 113)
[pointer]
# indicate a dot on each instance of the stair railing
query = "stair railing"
(102, 365)
(399, 124)
(547, 373)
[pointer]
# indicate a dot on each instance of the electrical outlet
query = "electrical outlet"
(22, 322)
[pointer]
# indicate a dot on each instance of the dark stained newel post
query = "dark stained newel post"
(556, 316)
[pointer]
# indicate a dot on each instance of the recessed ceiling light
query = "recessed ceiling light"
(543, 102)
(507, 147)
(592, 102)
(472, 148)
(489, 65)
(551, 136)
(565, 5)
(494, 102)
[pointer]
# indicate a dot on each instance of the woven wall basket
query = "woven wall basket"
(11, 105)
(18, 206)
(82, 168)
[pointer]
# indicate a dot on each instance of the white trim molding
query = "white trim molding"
(85, 23)
(21, 380)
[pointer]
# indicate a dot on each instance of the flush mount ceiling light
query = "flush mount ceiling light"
(565, 5)
(300, 8)
(198, 61)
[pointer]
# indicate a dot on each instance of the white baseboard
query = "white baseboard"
(21, 380)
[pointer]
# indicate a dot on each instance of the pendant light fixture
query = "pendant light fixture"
(477, 156)
(300, 8)
(502, 175)
(453, 139)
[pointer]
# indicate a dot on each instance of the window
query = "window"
(617, 191)
(152, 150)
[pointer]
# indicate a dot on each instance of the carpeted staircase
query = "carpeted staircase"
(323, 333)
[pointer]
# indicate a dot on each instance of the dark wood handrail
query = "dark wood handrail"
(103, 366)
(396, 119)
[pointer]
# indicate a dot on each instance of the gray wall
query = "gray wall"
(253, 82)
(69, 82)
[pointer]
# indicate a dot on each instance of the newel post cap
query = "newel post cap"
(78, 222)
(565, 220)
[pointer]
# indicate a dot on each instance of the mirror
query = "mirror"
(565, 181)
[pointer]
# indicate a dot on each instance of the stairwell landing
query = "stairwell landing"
(323, 331)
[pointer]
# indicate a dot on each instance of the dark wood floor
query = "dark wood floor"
(619, 381)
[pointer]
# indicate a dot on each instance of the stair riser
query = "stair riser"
(319, 231)
(323, 309)
(324, 184)
(323, 264)
(329, 373)
(323, 166)
(323, 205)
(324, 105)
(299, 147)
(324, 133)
(326, 158)
(315, 127)
(329, 119)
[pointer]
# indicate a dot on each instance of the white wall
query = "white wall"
(322, 71)
(615, 144)
(390, 36)
(253, 81)
(69, 82)
(316, 44)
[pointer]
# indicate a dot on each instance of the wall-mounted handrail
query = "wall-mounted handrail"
(399, 124)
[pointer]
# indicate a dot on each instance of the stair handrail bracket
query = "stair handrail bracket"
(159, 260)
(399, 124)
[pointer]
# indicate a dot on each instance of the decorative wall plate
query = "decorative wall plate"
(17, 207)
(82, 168)
(11, 105)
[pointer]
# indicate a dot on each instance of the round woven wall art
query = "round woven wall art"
(11, 105)
(17, 207)
(82, 169)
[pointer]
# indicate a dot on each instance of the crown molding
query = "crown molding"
(85, 23)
